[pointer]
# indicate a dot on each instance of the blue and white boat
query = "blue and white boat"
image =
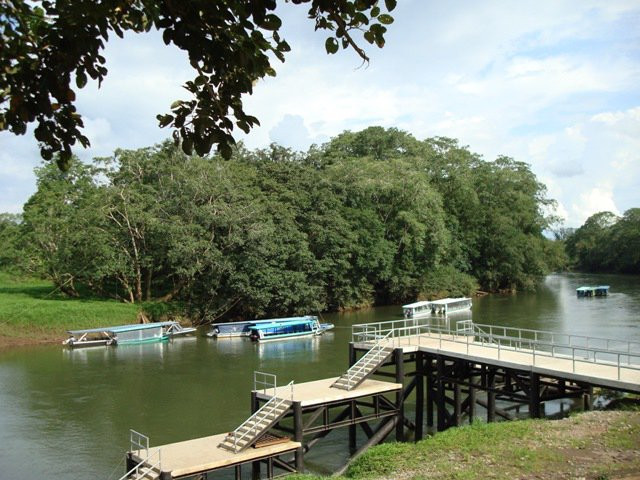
(288, 328)
(243, 329)
(126, 334)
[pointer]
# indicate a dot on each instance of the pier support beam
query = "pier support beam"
(298, 435)
(534, 396)
(419, 395)
(398, 356)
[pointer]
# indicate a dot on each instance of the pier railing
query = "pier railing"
(578, 349)
(253, 425)
(140, 443)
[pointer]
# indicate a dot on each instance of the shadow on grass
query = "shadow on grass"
(47, 292)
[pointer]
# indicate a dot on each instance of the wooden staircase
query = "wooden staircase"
(364, 367)
(256, 425)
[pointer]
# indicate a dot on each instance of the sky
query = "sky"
(552, 83)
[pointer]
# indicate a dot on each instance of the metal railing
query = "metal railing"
(265, 381)
(622, 354)
(357, 369)
(255, 420)
(139, 442)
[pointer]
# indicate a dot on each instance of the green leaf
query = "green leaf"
(385, 19)
(81, 79)
(331, 45)
(375, 11)
(390, 4)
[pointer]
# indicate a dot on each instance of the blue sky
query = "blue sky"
(553, 83)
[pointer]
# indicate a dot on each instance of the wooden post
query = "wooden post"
(441, 403)
(399, 361)
(352, 354)
(270, 468)
(430, 393)
(457, 407)
(238, 470)
(491, 396)
(297, 436)
(419, 394)
(352, 427)
(472, 400)
(586, 399)
(534, 396)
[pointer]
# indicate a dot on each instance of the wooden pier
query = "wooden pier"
(451, 373)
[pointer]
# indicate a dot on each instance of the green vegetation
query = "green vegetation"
(373, 217)
(607, 243)
(589, 445)
(50, 47)
(34, 309)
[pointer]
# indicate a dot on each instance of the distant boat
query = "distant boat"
(599, 291)
(288, 328)
(243, 329)
(126, 334)
(440, 307)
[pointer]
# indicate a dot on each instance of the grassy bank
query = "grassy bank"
(32, 311)
(592, 445)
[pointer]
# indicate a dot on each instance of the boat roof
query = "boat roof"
(417, 304)
(446, 301)
(592, 288)
(267, 320)
(122, 328)
(281, 323)
(443, 301)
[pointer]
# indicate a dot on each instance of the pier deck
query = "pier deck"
(461, 346)
(200, 455)
(319, 392)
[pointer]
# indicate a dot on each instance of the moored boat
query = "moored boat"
(287, 328)
(126, 334)
(440, 307)
(599, 291)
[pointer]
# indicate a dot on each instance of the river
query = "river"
(66, 414)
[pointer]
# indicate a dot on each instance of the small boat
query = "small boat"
(126, 334)
(599, 291)
(286, 328)
(234, 329)
(440, 307)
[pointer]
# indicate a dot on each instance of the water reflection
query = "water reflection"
(290, 349)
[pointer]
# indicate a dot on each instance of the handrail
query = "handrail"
(136, 439)
(266, 410)
(536, 346)
(266, 380)
(358, 367)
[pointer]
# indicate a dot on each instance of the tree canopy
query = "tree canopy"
(607, 243)
(50, 47)
(371, 217)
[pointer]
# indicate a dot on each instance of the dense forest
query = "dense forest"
(606, 243)
(373, 217)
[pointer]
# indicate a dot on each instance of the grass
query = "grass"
(591, 445)
(33, 311)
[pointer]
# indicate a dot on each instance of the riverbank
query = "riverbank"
(593, 445)
(32, 312)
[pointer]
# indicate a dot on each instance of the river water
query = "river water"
(66, 414)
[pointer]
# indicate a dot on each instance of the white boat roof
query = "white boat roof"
(446, 301)
(122, 328)
(417, 304)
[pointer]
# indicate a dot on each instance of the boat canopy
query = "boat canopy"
(423, 303)
(287, 323)
(122, 328)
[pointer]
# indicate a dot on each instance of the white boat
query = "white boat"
(287, 328)
(126, 334)
(436, 307)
